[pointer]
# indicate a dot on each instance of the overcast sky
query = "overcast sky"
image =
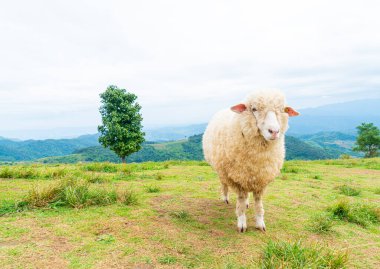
(184, 59)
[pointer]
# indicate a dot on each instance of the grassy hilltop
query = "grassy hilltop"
(319, 214)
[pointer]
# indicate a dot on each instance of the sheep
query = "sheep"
(245, 145)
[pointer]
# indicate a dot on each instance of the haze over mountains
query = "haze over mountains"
(322, 132)
(341, 117)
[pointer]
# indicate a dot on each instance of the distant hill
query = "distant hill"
(171, 133)
(27, 150)
(342, 117)
(185, 149)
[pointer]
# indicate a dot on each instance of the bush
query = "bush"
(361, 214)
(294, 255)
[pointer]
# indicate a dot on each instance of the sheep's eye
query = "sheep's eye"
(254, 109)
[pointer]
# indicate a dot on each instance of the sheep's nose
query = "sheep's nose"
(273, 132)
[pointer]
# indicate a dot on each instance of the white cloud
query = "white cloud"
(184, 59)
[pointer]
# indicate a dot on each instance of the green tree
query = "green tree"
(368, 140)
(121, 130)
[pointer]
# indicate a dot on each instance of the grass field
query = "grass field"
(319, 214)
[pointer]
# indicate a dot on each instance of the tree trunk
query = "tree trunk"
(123, 160)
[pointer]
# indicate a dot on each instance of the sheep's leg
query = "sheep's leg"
(259, 210)
(241, 207)
(225, 193)
(247, 201)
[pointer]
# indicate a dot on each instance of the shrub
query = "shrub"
(361, 214)
(349, 191)
(294, 255)
(319, 177)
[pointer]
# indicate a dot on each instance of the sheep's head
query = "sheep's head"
(267, 113)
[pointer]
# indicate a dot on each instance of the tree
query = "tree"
(368, 140)
(121, 130)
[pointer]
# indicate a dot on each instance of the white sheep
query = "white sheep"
(245, 145)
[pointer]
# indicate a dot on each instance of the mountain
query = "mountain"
(341, 117)
(171, 133)
(336, 143)
(27, 150)
(185, 149)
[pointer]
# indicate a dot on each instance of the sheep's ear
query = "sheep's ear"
(291, 112)
(239, 108)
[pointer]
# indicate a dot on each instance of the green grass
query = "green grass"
(152, 189)
(349, 191)
(321, 223)
(169, 215)
(295, 255)
(361, 214)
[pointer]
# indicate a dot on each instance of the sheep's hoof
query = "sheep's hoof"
(247, 205)
(260, 224)
(242, 224)
(261, 229)
(226, 201)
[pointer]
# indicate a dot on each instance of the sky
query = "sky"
(184, 60)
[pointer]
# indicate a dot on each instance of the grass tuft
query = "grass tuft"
(181, 215)
(152, 189)
(167, 260)
(349, 191)
(158, 176)
(361, 214)
(377, 191)
(295, 255)
(69, 192)
(320, 223)
(129, 197)
(100, 167)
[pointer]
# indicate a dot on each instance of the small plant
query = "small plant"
(349, 191)
(167, 260)
(377, 191)
(319, 177)
(295, 255)
(361, 214)
(152, 189)
(321, 223)
(129, 198)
